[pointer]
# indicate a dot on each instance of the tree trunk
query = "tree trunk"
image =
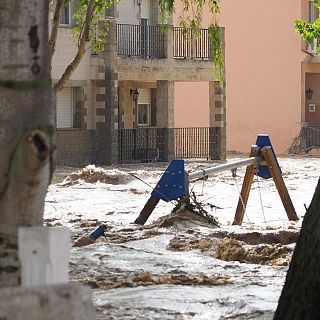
(55, 26)
(301, 293)
(82, 41)
(26, 124)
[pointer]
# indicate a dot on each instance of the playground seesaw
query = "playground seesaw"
(262, 161)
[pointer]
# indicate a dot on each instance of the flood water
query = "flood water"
(181, 267)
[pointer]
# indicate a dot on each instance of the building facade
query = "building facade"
(310, 87)
(268, 72)
(119, 105)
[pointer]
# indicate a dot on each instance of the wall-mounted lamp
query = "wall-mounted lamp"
(139, 2)
(309, 93)
(135, 94)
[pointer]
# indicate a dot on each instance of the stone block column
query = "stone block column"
(165, 114)
(169, 43)
(218, 123)
(107, 113)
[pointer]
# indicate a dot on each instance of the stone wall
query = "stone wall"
(76, 147)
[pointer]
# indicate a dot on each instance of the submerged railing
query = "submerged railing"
(310, 135)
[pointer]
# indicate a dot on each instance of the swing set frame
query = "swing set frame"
(262, 161)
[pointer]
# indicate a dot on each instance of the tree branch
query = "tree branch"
(55, 27)
(81, 48)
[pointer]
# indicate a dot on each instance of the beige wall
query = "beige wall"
(65, 52)
(128, 110)
(263, 72)
(128, 12)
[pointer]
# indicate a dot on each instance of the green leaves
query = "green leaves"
(98, 32)
(310, 32)
(316, 3)
(192, 18)
(214, 32)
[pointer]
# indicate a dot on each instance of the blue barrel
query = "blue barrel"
(94, 235)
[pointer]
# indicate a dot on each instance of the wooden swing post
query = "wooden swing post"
(246, 187)
(276, 174)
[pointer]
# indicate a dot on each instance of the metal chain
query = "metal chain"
(201, 195)
(146, 183)
(261, 203)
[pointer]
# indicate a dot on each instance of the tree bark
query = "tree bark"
(301, 293)
(26, 124)
(55, 26)
(83, 39)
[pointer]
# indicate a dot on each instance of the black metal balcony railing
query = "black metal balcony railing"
(141, 41)
(151, 42)
(187, 46)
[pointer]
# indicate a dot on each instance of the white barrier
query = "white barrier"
(44, 255)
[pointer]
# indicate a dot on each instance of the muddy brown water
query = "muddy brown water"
(174, 268)
(183, 272)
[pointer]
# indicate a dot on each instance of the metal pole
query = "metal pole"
(224, 167)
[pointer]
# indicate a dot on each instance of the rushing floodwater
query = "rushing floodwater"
(185, 269)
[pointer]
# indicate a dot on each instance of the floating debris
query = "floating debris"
(91, 174)
(230, 249)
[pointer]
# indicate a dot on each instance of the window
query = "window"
(143, 114)
(65, 14)
(313, 12)
(143, 111)
(65, 108)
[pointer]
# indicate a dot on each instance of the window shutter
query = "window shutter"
(144, 96)
(65, 108)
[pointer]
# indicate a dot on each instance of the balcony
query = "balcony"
(188, 46)
(153, 42)
(141, 41)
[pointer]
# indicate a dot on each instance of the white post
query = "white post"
(44, 255)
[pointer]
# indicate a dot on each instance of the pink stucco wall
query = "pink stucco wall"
(191, 104)
(263, 72)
